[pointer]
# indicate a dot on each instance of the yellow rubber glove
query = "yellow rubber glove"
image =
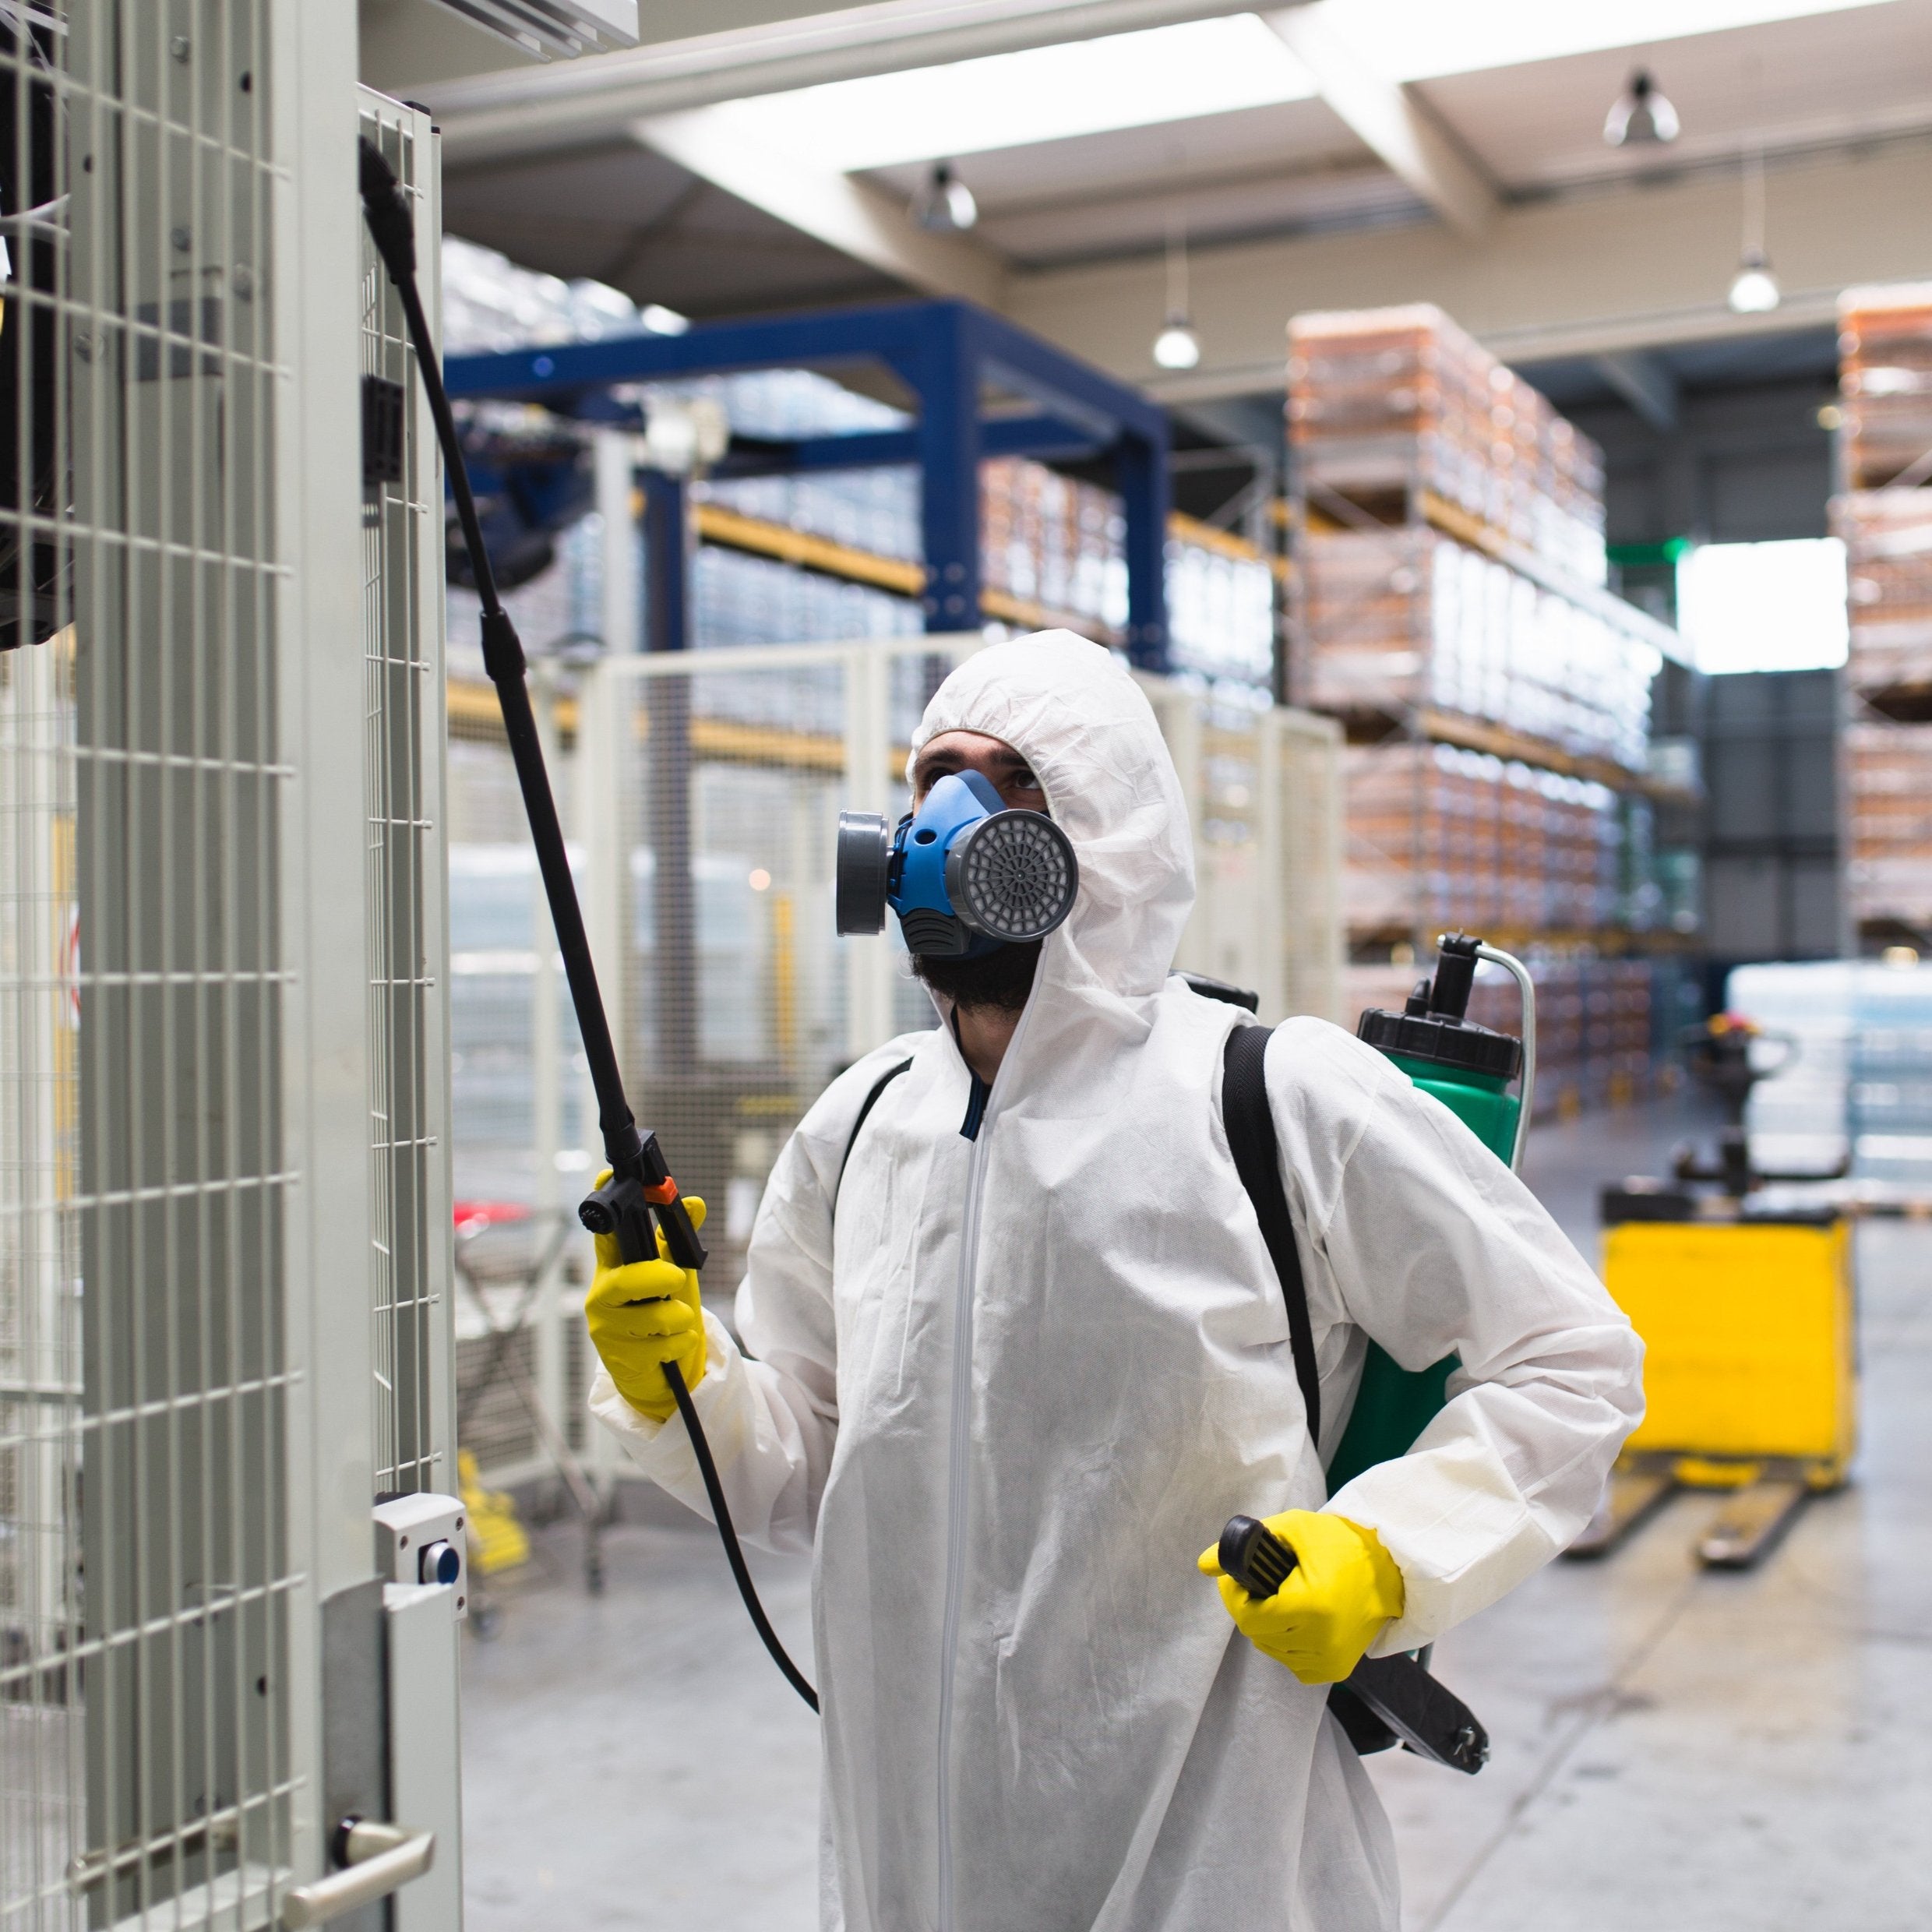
(1344, 1588)
(643, 1315)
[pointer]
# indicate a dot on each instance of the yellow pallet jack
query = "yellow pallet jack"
(1746, 1305)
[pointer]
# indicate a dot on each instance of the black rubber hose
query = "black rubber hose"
(721, 1515)
(393, 231)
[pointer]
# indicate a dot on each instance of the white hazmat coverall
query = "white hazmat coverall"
(1009, 1395)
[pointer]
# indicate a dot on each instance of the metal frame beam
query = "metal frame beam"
(949, 353)
(1386, 117)
(583, 103)
(720, 145)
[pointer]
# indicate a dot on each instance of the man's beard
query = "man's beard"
(997, 982)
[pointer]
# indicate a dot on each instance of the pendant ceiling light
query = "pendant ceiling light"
(1641, 115)
(945, 205)
(1754, 289)
(1177, 346)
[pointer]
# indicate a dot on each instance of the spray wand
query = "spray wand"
(640, 1186)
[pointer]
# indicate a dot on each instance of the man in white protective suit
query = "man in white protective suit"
(1039, 1356)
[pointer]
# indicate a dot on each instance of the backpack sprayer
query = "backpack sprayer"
(641, 1187)
(1468, 1068)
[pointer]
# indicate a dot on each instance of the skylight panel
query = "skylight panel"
(1146, 79)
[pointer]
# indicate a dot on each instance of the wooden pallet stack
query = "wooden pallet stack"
(1449, 608)
(1049, 540)
(1883, 514)
(1383, 400)
(1497, 846)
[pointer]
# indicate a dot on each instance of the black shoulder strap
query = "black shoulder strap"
(878, 1086)
(1250, 1125)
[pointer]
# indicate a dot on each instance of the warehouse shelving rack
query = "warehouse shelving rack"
(1312, 508)
(985, 389)
(1882, 457)
(1579, 950)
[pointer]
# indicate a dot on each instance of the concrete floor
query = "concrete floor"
(1675, 1750)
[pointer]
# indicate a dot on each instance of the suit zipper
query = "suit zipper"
(959, 1473)
(958, 1449)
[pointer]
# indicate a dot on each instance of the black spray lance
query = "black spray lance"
(640, 1187)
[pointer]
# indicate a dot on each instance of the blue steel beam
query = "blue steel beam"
(896, 333)
(941, 371)
(822, 339)
(1062, 387)
(948, 352)
(1045, 437)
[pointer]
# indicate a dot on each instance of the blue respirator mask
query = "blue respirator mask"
(964, 874)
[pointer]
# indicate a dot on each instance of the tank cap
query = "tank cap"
(1448, 1042)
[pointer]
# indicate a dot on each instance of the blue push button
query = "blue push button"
(440, 1563)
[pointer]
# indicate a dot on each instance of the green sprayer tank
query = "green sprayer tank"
(1468, 1068)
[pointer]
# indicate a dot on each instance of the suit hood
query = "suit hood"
(1087, 729)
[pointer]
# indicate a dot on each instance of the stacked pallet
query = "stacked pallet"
(1883, 515)
(1447, 838)
(1888, 828)
(1885, 384)
(1052, 552)
(1048, 539)
(1451, 543)
(1378, 397)
(1887, 539)
(1450, 610)
(1398, 619)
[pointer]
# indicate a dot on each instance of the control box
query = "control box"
(420, 1539)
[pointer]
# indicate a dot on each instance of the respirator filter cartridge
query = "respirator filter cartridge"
(963, 873)
(861, 866)
(1011, 876)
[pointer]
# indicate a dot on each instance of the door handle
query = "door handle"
(376, 1860)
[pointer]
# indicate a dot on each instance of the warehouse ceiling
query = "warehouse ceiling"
(1339, 153)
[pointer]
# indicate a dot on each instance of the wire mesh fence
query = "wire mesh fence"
(403, 776)
(738, 1002)
(1263, 789)
(145, 1565)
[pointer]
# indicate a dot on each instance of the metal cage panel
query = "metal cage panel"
(404, 778)
(142, 1450)
(1263, 789)
(186, 1562)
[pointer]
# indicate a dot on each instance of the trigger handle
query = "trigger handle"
(618, 1208)
(1255, 1557)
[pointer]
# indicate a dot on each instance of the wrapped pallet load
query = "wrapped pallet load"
(1450, 610)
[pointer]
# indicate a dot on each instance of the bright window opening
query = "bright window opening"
(1764, 606)
(1144, 79)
